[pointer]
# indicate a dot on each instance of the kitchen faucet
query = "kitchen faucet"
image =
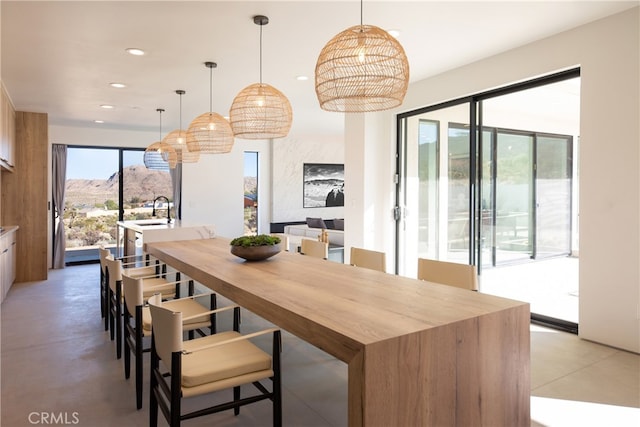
(153, 212)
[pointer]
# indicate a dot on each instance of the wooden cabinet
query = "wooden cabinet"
(7, 131)
(25, 194)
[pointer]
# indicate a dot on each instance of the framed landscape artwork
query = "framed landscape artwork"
(323, 185)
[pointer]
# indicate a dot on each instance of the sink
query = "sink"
(148, 222)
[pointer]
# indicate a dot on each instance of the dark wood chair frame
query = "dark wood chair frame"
(133, 339)
(104, 286)
(167, 395)
(114, 308)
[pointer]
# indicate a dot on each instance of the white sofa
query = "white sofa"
(298, 232)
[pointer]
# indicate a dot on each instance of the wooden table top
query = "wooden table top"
(336, 307)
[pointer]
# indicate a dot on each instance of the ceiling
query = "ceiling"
(60, 57)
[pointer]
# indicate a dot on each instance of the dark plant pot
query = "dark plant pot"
(255, 253)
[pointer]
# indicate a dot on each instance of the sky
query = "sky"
(96, 163)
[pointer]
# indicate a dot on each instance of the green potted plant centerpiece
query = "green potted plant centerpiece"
(255, 248)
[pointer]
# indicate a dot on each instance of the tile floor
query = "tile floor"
(59, 367)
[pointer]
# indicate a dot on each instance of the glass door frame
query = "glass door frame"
(475, 173)
(120, 151)
(475, 152)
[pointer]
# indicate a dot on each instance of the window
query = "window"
(250, 193)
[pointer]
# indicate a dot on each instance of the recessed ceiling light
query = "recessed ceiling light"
(98, 121)
(394, 33)
(106, 106)
(302, 78)
(135, 51)
(118, 85)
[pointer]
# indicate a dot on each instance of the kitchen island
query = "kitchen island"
(132, 235)
(418, 353)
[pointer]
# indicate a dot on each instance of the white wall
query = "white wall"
(72, 135)
(608, 53)
(213, 189)
(289, 155)
(369, 189)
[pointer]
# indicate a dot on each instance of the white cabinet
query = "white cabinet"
(7, 261)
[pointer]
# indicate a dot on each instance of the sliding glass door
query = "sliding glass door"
(514, 198)
(554, 179)
(434, 218)
(489, 180)
(96, 197)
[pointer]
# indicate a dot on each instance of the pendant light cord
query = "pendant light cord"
(261, 54)
(160, 110)
(361, 8)
(210, 89)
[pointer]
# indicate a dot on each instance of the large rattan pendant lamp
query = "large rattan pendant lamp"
(363, 68)
(177, 139)
(260, 111)
(210, 132)
(160, 155)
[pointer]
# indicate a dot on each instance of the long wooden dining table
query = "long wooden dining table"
(418, 353)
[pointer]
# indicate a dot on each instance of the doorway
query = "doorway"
(490, 180)
(105, 185)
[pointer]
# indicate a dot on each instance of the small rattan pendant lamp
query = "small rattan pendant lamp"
(361, 69)
(210, 132)
(177, 139)
(260, 111)
(160, 155)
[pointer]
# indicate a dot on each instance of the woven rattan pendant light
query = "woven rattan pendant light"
(210, 132)
(362, 69)
(160, 155)
(177, 139)
(260, 111)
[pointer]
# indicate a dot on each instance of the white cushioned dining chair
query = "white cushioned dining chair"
(448, 273)
(151, 285)
(227, 360)
(142, 271)
(284, 240)
(367, 258)
(136, 322)
(314, 248)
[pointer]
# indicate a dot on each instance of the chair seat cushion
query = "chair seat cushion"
(221, 362)
(140, 271)
(152, 286)
(188, 307)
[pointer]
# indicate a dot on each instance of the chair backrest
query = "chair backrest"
(284, 240)
(132, 290)
(314, 248)
(155, 299)
(167, 331)
(114, 268)
(104, 253)
(366, 258)
(448, 273)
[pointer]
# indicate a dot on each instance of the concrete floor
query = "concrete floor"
(59, 367)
